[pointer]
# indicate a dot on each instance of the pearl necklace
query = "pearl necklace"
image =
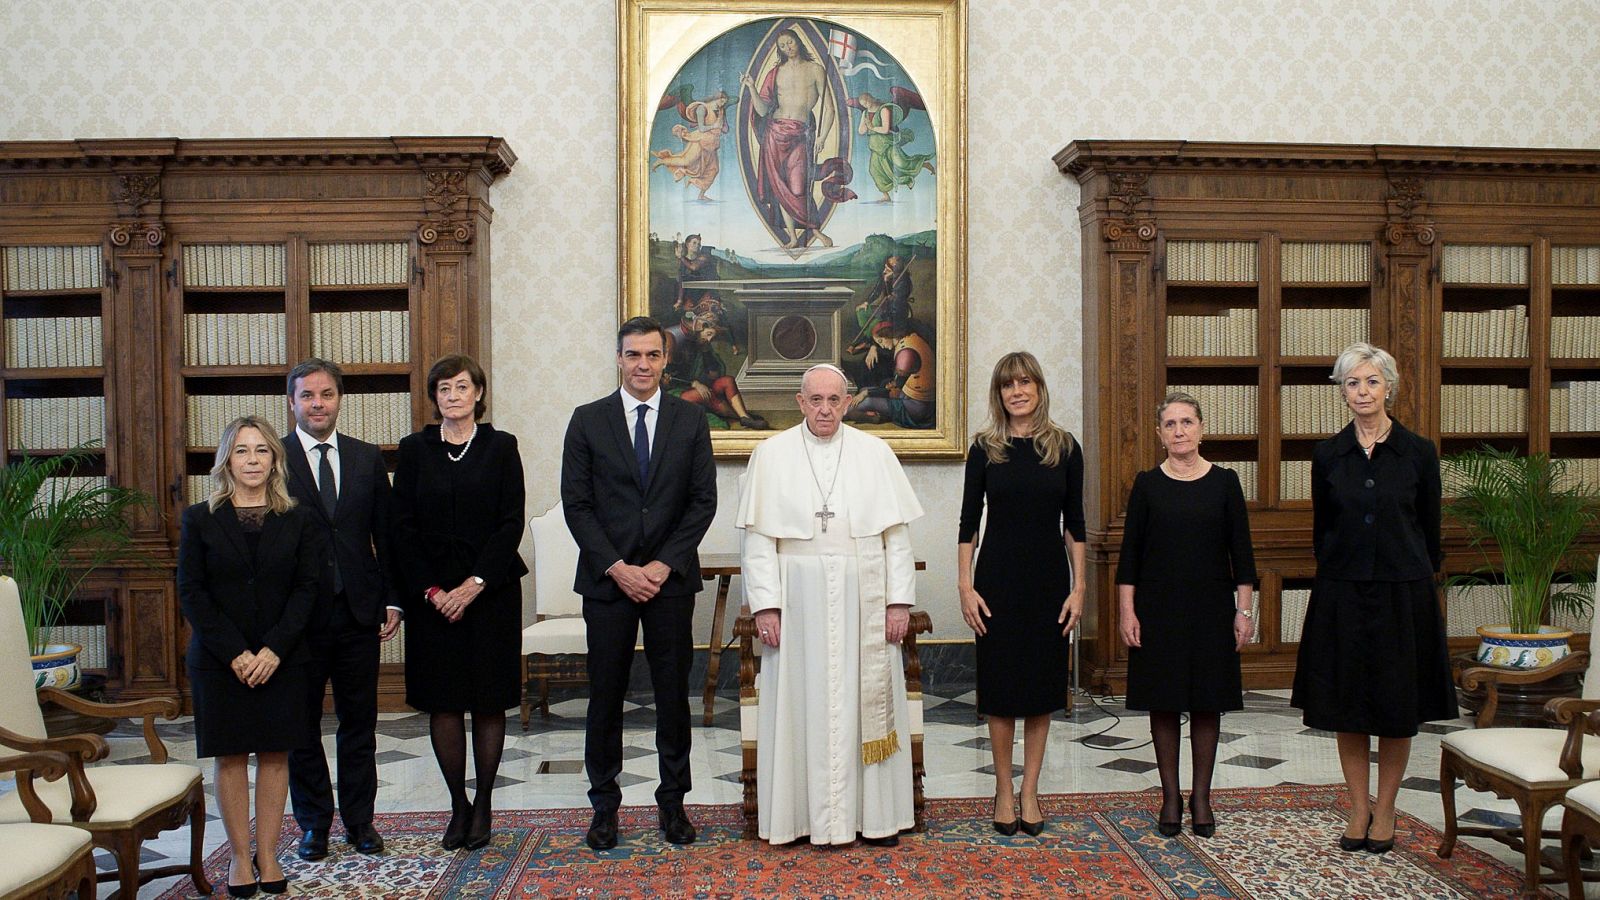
(1172, 470)
(457, 457)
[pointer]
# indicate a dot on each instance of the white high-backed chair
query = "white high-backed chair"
(120, 806)
(1536, 767)
(43, 861)
(553, 647)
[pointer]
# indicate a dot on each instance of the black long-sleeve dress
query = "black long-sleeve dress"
(453, 520)
(1186, 549)
(1023, 574)
(247, 580)
(1373, 655)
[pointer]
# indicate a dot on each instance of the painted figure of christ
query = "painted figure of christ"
(783, 106)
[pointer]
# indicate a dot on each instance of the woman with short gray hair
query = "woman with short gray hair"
(1373, 658)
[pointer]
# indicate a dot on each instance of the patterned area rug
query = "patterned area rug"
(1271, 843)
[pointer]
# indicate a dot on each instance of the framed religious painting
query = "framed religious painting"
(792, 190)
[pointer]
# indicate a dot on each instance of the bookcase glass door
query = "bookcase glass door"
(52, 303)
(1575, 360)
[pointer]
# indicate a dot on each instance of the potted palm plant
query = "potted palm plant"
(55, 529)
(1528, 508)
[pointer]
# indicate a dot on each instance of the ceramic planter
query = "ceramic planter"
(57, 667)
(1498, 645)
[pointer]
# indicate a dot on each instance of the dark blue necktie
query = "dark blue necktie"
(641, 445)
(328, 487)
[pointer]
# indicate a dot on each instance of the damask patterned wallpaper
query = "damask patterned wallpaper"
(1042, 72)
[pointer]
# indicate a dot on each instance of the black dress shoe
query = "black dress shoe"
(281, 886)
(242, 890)
(1350, 844)
(313, 845)
(365, 839)
(1171, 827)
(455, 833)
(1201, 829)
(1379, 847)
(602, 831)
(1005, 828)
(892, 840)
(675, 825)
(478, 830)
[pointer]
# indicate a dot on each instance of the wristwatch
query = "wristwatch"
(1247, 613)
(477, 581)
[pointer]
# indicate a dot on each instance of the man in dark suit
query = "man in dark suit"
(639, 488)
(344, 483)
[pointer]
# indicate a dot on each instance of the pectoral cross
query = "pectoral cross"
(825, 515)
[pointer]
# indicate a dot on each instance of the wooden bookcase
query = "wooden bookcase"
(1239, 271)
(151, 290)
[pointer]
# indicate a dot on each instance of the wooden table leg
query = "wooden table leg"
(714, 659)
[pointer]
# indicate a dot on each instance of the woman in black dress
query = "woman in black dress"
(248, 568)
(458, 498)
(1185, 609)
(1373, 658)
(1022, 601)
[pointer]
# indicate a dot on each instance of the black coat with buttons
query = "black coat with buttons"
(1376, 519)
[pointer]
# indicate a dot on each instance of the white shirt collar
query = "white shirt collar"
(629, 403)
(310, 443)
(805, 430)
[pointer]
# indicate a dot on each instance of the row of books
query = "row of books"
(382, 262)
(1294, 479)
(1326, 261)
(54, 423)
(1485, 264)
(1493, 332)
(233, 265)
(1228, 408)
(1585, 471)
(377, 418)
(1575, 337)
(1292, 604)
(62, 485)
(1231, 333)
(92, 638)
(362, 336)
(66, 268)
(1321, 331)
(1311, 409)
(1483, 408)
(234, 339)
(1466, 606)
(53, 342)
(1575, 406)
(1211, 261)
(1575, 265)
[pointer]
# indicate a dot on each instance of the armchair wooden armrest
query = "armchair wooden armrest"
(87, 747)
(1578, 715)
(50, 765)
(148, 708)
(1490, 677)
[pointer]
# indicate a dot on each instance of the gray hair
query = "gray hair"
(1179, 397)
(1360, 353)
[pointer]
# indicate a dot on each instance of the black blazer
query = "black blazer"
(613, 518)
(234, 603)
(1376, 519)
(358, 532)
(482, 496)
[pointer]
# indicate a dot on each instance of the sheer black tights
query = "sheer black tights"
(1204, 730)
(448, 731)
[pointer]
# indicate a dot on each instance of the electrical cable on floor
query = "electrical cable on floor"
(1115, 721)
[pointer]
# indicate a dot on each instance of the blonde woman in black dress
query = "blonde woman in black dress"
(1023, 600)
(1184, 588)
(249, 564)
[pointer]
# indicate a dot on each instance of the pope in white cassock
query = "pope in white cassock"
(829, 574)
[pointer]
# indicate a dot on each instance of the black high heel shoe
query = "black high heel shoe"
(478, 833)
(245, 890)
(455, 833)
(1201, 829)
(277, 886)
(1006, 828)
(1173, 827)
(1032, 829)
(1350, 844)
(1379, 847)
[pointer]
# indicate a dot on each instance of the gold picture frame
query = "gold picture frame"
(792, 190)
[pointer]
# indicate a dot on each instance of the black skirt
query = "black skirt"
(1373, 658)
(1186, 661)
(231, 718)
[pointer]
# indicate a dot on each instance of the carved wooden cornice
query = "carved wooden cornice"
(489, 156)
(446, 202)
(1081, 158)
